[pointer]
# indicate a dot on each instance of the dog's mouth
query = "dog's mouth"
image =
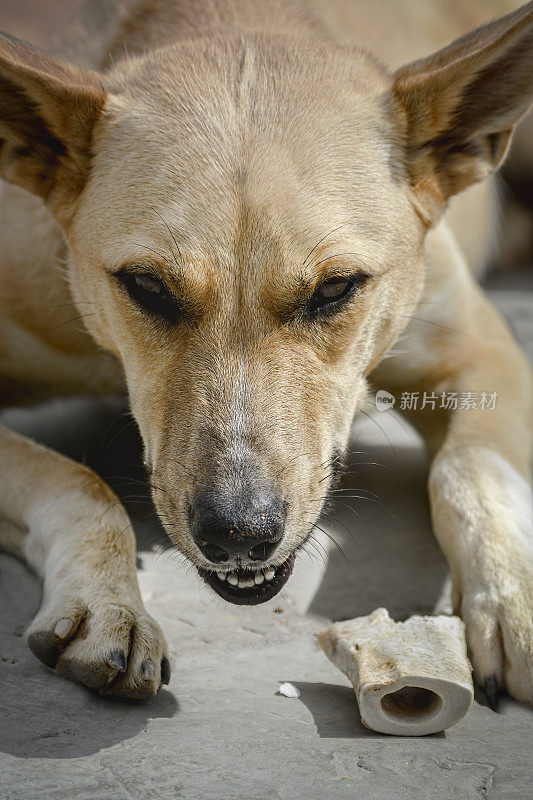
(247, 587)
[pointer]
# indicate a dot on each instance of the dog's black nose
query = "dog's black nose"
(245, 529)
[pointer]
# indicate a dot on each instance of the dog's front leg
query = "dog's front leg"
(472, 388)
(92, 626)
(481, 511)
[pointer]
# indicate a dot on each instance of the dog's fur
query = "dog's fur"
(244, 151)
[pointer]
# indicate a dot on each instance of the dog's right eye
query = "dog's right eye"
(151, 294)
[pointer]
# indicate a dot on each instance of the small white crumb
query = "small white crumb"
(288, 690)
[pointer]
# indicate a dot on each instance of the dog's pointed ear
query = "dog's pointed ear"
(48, 110)
(459, 106)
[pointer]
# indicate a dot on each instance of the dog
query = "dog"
(246, 209)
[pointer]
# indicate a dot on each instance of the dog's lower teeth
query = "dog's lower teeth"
(244, 585)
(249, 580)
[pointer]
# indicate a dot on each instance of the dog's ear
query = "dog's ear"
(459, 107)
(48, 110)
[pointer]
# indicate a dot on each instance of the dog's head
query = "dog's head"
(246, 217)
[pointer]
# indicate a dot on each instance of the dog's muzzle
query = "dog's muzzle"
(248, 587)
(235, 534)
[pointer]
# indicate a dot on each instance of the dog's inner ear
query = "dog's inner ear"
(459, 106)
(48, 110)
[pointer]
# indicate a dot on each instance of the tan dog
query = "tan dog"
(247, 210)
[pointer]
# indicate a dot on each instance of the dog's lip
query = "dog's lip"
(253, 595)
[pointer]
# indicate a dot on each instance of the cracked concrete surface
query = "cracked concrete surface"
(220, 730)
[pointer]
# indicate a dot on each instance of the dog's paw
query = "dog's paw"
(116, 648)
(499, 629)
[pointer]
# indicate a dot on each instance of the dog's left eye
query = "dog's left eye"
(333, 291)
(151, 293)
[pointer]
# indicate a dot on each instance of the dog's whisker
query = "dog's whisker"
(437, 324)
(338, 522)
(368, 499)
(293, 459)
(318, 555)
(312, 556)
(344, 224)
(118, 419)
(152, 250)
(365, 492)
(72, 303)
(401, 421)
(67, 321)
(329, 536)
(171, 234)
(385, 434)
(336, 255)
(355, 467)
(338, 502)
(394, 354)
(127, 424)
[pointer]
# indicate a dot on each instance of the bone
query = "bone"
(410, 678)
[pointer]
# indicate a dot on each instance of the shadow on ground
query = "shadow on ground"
(381, 521)
(43, 715)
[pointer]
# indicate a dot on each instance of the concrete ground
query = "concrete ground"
(219, 730)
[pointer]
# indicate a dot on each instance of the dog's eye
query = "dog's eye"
(333, 291)
(148, 284)
(151, 293)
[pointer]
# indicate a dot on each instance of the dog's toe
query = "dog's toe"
(109, 647)
(45, 646)
(492, 690)
(500, 641)
(52, 630)
(165, 671)
(117, 659)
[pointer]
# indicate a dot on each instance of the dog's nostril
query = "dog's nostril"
(237, 529)
(213, 552)
(263, 550)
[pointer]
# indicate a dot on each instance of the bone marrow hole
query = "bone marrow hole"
(412, 703)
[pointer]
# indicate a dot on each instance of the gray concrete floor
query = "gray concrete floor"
(220, 730)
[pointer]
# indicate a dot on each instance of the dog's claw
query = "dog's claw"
(492, 690)
(63, 627)
(148, 669)
(165, 670)
(118, 660)
(42, 646)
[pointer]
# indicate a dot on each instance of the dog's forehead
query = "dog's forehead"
(251, 142)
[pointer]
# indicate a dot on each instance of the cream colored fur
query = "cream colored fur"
(217, 142)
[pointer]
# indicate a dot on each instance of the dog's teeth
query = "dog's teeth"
(248, 580)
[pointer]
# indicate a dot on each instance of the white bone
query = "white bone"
(410, 678)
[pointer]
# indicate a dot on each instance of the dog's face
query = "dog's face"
(246, 224)
(250, 255)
